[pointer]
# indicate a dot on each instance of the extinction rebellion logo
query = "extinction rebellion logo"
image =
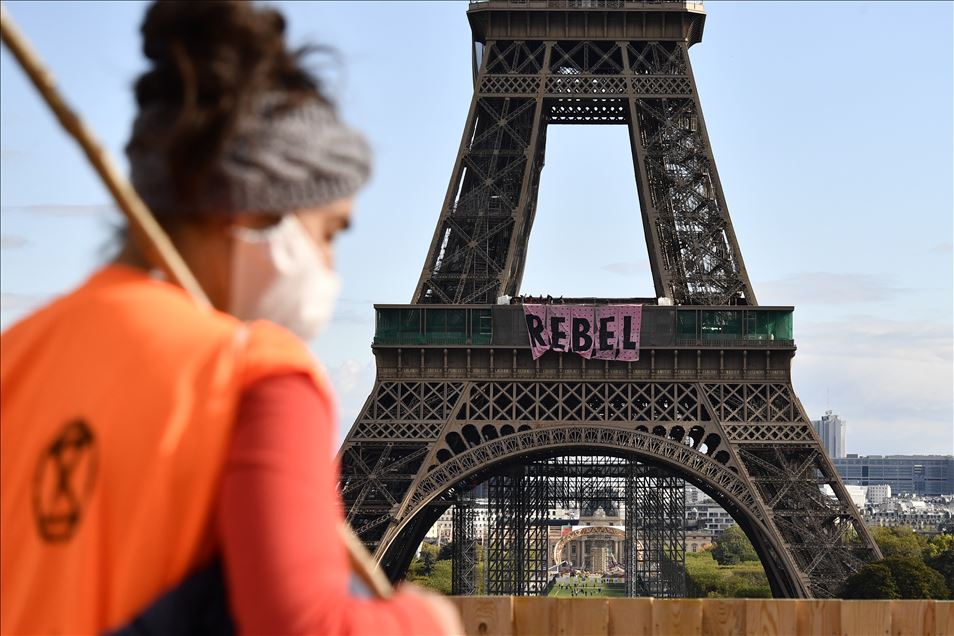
(63, 481)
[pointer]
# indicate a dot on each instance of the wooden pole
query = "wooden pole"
(150, 237)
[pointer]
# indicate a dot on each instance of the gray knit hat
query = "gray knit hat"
(278, 160)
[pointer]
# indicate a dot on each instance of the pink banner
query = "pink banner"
(628, 323)
(536, 316)
(558, 322)
(609, 332)
(581, 330)
(605, 346)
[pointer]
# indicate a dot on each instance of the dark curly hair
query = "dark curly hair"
(208, 59)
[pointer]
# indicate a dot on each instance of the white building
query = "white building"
(697, 540)
(858, 494)
(927, 515)
(705, 514)
(443, 529)
(879, 493)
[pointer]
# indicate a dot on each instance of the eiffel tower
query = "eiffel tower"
(458, 398)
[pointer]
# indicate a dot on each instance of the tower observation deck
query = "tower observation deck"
(594, 19)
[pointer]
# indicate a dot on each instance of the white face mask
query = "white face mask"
(278, 275)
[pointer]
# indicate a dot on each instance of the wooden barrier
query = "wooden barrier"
(534, 615)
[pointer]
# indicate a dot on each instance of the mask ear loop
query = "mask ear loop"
(157, 248)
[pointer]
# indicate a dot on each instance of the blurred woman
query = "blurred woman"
(168, 468)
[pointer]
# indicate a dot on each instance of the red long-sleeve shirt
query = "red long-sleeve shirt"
(278, 515)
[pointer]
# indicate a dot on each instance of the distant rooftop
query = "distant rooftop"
(857, 456)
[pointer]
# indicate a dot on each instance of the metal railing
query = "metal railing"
(589, 373)
(591, 4)
(730, 343)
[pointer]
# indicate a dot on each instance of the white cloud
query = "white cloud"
(353, 316)
(14, 302)
(892, 380)
(12, 241)
(352, 381)
(829, 288)
(942, 248)
(627, 268)
(12, 154)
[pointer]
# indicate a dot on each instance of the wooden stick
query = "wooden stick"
(150, 237)
(363, 564)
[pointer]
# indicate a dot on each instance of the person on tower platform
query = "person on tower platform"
(169, 468)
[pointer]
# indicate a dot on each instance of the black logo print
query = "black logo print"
(63, 481)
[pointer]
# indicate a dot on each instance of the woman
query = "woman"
(146, 439)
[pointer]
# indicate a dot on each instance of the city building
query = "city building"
(925, 475)
(698, 540)
(878, 493)
(443, 529)
(858, 494)
(694, 494)
(703, 514)
(831, 430)
(927, 515)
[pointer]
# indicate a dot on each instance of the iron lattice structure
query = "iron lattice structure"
(536, 67)
(458, 398)
(464, 537)
(523, 497)
(656, 534)
(517, 529)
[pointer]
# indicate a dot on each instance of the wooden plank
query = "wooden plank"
(723, 617)
(586, 616)
(912, 618)
(866, 618)
(631, 617)
(589, 616)
(944, 617)
(770, 617)
(819, 617)
(486, 615)
(677, 616)
(530, 616)
(533, 615)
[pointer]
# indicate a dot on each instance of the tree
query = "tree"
(899, 542)
(440, 578)
(733, 547)
(872, 581)
(748, 590)
(422, 566)
(896, 577)
(705, 577)
(914, 579)
(446, 551)
(939, 555)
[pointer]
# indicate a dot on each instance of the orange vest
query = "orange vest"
(117, 406)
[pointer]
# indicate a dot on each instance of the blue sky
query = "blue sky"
(831, 124)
